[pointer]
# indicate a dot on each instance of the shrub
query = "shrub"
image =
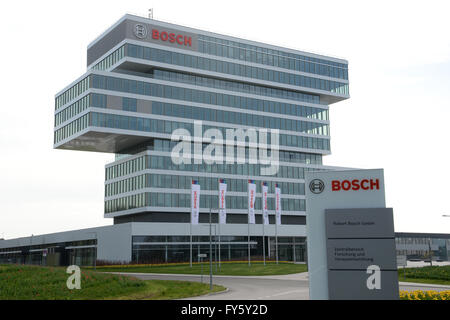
(425, 295)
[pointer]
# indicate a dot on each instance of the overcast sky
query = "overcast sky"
(396, 118)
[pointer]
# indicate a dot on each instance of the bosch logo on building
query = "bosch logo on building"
(316, 186)
(355, 185)
(171, 37)
(140, 31)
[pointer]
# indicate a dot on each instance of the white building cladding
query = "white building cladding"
(148, 78)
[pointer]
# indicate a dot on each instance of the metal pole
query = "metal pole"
(276, 240)
(219, 247)
(95, 257)
(215, 245)
(248, 224)
(201, 259)
(210, 253)
(264, 244)
(429, 252)
(190, 242)
(293, 246)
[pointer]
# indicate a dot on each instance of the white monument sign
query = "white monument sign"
(325, 190)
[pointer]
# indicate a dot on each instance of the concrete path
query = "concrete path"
(279, 287)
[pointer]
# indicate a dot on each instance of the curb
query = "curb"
(273, 277)
(428, 285)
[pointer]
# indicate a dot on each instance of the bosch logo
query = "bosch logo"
(171, 37)
(355, 185)
(140, 31)
(316, 186)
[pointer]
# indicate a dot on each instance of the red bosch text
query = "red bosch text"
(171, 37)
(356, 184)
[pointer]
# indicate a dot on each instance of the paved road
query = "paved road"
(285, 287)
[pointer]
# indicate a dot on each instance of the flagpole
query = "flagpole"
(277, 213)
(190, 232)
(219, 244)
(248, 242)
(276, 237)
(264, 244)
(263, 222)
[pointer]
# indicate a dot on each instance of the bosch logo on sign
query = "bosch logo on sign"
(140, 31)
(171, 37)
(355, 185)
(316, 186)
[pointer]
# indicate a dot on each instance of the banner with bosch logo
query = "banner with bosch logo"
(195, 201)
(277, 204)
(251, 201)
(222, 201)
(264, 205)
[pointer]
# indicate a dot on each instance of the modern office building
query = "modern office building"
(422, 246)
(147, 80)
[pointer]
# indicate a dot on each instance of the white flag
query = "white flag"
(195, 202)
(222, 201)
(278, 204)
(251, 201)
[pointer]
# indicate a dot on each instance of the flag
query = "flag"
(222, 201)
(264, 204)
(277, 204)
(251, 201)
(195, 201)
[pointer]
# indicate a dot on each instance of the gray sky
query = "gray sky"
(396, 118)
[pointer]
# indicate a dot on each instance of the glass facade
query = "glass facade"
(72, 93)
(72, 128)
(271, 57)
(417, 246)
(170, 249)
(81, 253)
(235, 69)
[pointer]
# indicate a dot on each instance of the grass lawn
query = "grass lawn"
(19, 282)
(227, 268)
(432, 275)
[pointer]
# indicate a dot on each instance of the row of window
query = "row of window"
(271, 57)
(130, 104)
(111, 59)
(71, 128)
(134, 165)
(175, 200)
(127, 185)
(184, 182)
(245, 119)
(172, 92)
(246, 169)
(284, 156)
(221, 84)
(127, 167)
(165, 163)
(196, 238)
(213, 98)
(167, 127)
(72, 92)
(72, 110)
(235, 69)
(127, 203)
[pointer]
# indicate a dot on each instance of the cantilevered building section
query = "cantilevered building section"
(147, 78)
